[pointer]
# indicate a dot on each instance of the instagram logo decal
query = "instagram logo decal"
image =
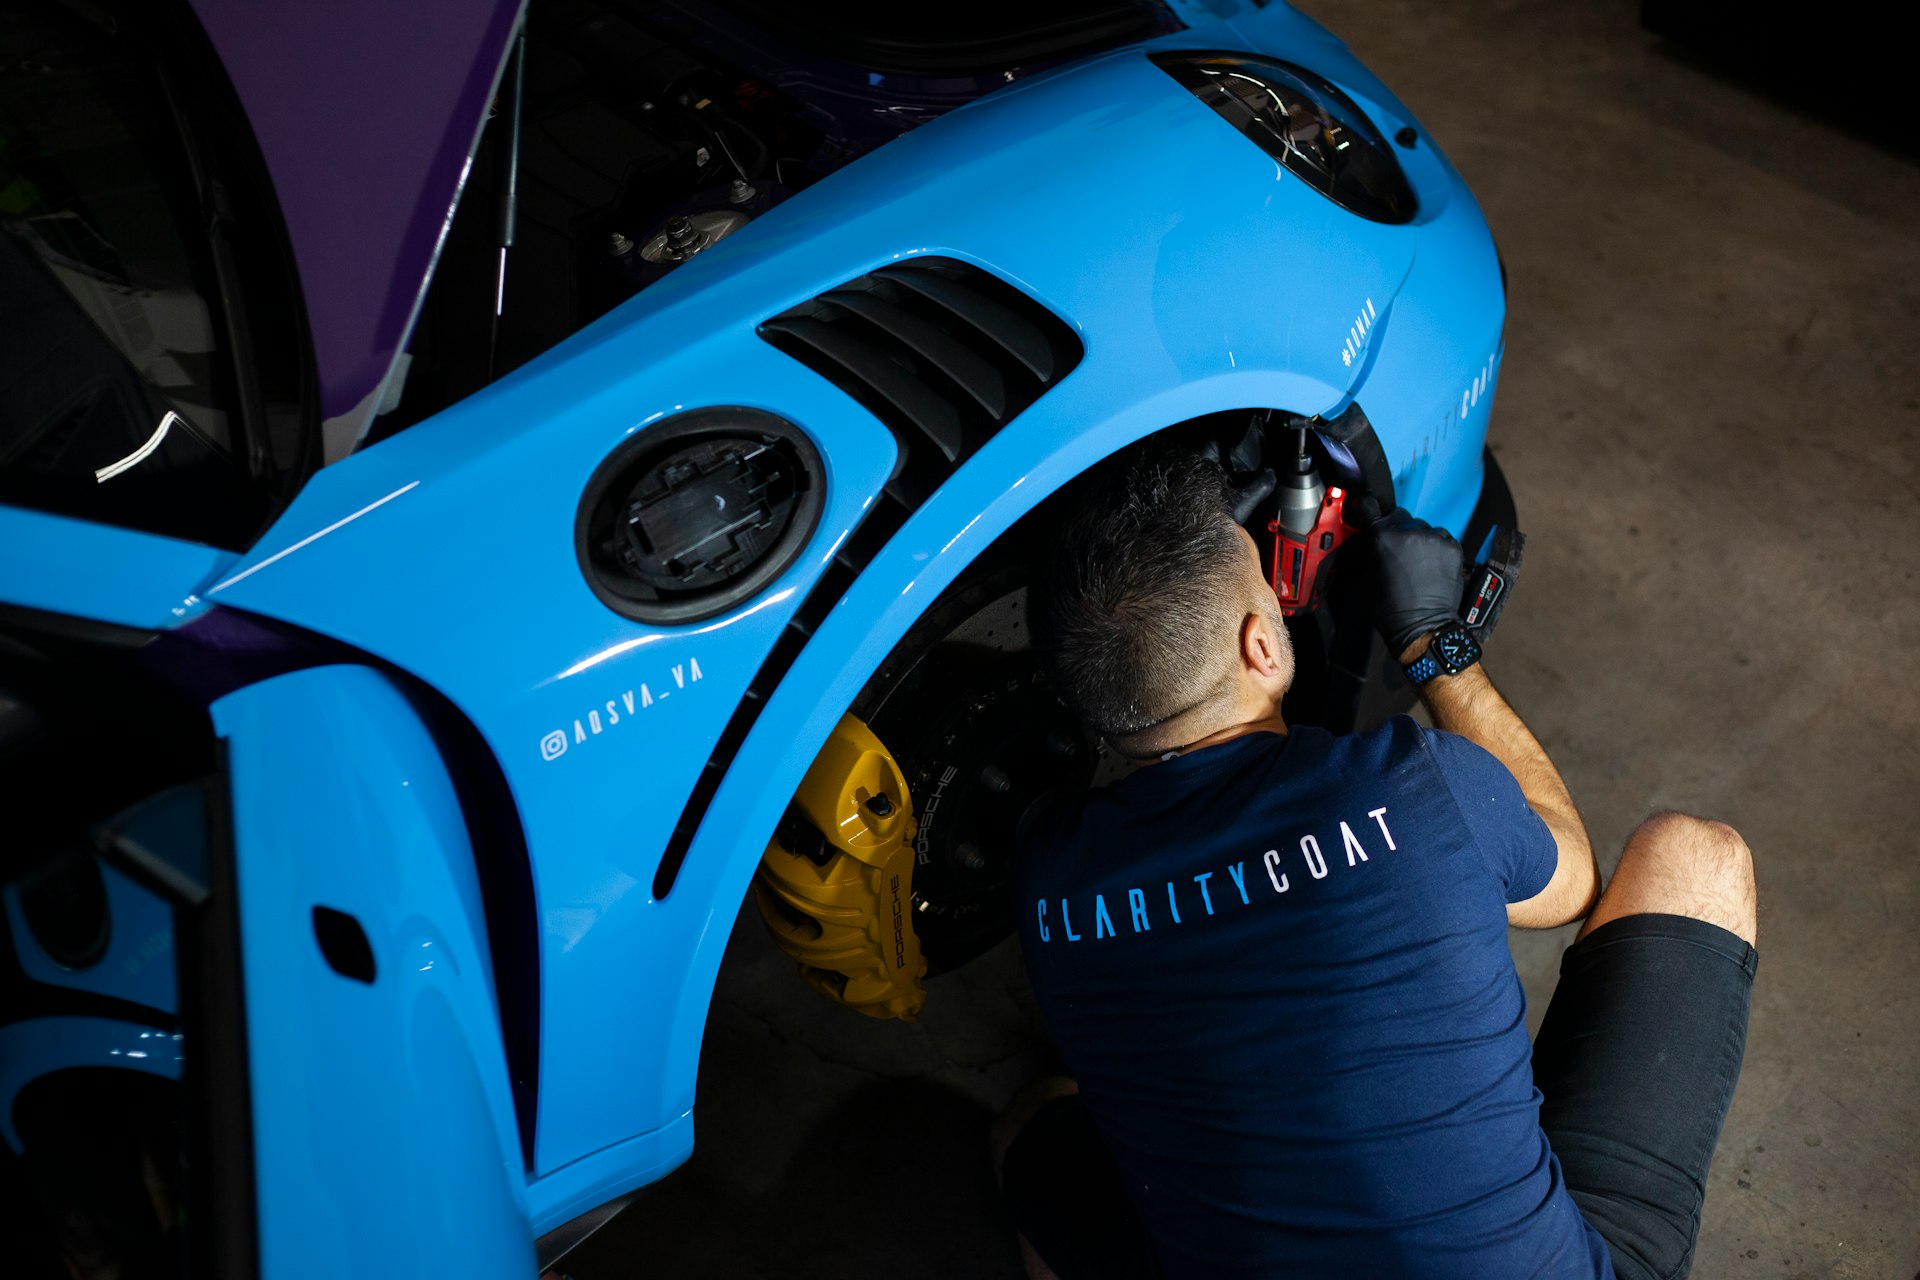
(623, 708)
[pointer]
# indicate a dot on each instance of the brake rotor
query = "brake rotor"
(980, 736)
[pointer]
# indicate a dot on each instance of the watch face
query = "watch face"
(1455, 649)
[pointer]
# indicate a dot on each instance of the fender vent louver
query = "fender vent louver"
(942, 352)
(945, 355)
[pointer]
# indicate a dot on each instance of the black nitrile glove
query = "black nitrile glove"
(1418, 574)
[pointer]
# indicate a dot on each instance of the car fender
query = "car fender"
(1200, 278)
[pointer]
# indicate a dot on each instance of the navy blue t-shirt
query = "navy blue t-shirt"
(1278, 968)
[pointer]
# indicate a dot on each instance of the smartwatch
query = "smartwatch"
(1451, 651)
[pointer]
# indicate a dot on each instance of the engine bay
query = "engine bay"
(628, 136)
(619, 131)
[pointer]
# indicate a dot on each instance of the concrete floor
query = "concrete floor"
(1708, 411)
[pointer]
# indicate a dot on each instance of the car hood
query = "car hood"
(366, 113)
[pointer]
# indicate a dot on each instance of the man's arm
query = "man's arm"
(1467, 704)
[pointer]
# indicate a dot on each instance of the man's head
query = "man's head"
(1150, 610)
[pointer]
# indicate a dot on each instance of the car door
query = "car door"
(247, 1019)
(248, 1023)
(384, 1131)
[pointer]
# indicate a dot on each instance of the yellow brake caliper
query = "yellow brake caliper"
(835, 885)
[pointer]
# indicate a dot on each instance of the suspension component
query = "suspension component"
(835, 885)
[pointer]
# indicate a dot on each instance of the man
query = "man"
(1275, 961)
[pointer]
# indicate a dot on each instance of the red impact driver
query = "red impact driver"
(1311, 526)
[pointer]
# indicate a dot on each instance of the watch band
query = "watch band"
(1422, 670)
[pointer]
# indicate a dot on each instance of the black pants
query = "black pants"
(1636, 1060)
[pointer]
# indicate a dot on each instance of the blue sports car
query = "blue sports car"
(486, 485)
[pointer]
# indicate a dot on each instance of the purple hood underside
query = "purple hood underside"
(366, 112)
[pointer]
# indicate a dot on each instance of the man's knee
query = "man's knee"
(1717, 847)
(1680, 865)
(1696, 849)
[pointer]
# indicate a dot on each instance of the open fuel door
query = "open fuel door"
(384, 1136)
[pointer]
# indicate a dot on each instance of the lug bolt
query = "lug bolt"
(967, 857)
(995, 779)
(1061, 745)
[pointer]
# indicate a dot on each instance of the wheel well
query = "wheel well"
(963, 707)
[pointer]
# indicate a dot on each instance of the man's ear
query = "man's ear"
(1259, 648)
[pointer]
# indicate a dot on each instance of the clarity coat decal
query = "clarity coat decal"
(619, 709)
(1480, 388)
(1482, 383)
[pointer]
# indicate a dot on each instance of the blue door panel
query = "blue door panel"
(36, 1048)
(571, 1190)
(383, 1128)
(84, 570)
(137, 964)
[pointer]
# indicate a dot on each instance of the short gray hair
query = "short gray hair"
(1136, 605)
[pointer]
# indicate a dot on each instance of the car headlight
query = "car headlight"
(1314, 130)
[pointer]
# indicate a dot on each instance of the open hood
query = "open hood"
(366, 112)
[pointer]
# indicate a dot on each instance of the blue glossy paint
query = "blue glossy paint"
(1198, 14)
(383, 1127)
(138, 964)
(40, 1047)
(88, 570)
(1200, 276)
(591, 1181)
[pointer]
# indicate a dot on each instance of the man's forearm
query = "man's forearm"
(1467, 704)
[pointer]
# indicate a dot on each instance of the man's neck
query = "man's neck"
(1266, 724)
(1226, 733)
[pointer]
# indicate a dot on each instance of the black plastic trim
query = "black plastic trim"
(638, 452)
(1494, 508)
(883, 520)
(975, 376)
(499, 843)
(1016, 335)
(66, 626)
(1352, 429)
(891, 392)
(942, 352)
(223, 1217)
